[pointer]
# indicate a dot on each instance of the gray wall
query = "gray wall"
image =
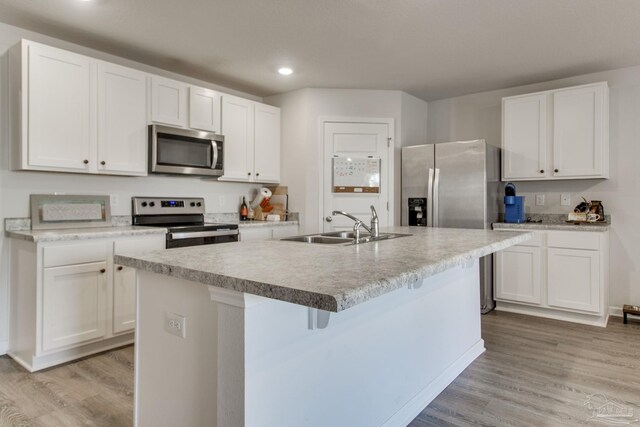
(302, 149)
(479, 116)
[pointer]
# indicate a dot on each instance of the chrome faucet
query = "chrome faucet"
(373, 230)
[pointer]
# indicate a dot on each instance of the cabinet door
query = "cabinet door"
(284, 231)
(204, 109)
(518, 274)
(125, 281)
(267, 143)
(524, 137)
(237, 128)
(74, 304)
(255, 234)
(579, 131)
(61, 111)
(122, 120)
(574, 279)
(124, 299)
(168, 101)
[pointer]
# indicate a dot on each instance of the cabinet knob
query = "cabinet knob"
(329, 218)
(120, 268)
(249, 173)
(86, 162)
(541, 170)
(102, 270)
(103, 163)
(257, 174)
(556, 170)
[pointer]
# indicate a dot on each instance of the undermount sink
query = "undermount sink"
(318, 239)
(343, 237)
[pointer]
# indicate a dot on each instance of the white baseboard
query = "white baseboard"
(416, 405)
(4, 347)
(615, 311)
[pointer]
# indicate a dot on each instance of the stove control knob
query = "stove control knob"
(193, 204)
(199, 204)
(143, 204)
(152, 204)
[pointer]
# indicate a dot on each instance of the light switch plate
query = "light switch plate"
(539, 199)
(565, 199)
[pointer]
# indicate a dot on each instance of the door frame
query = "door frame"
(322, 120)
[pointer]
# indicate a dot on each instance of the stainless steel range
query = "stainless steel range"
(184, 218)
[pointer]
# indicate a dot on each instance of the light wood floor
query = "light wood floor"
(535, 372)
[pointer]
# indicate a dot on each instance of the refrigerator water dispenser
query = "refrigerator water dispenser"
(418, 211)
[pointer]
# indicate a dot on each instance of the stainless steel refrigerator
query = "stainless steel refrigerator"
(453, 185)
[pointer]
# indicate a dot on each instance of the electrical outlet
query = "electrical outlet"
(565, 199)
(539, 199)
(114, 200)
(175, 324)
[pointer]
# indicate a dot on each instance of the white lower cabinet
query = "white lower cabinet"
(557, 274)
(74, 299)
(573, 279)
(518, 277)
(252, 234)
(70, 300)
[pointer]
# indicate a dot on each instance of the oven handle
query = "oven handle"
(195, 234)
(214, 162)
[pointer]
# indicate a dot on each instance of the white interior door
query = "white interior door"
(355, 140)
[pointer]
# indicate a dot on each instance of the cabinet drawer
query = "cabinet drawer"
(55, 256)
(139, 245)
(536, 241)
(573, 240)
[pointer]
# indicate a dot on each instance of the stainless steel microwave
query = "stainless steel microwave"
(185, 151)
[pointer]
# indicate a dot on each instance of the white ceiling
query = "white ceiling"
(430, 48)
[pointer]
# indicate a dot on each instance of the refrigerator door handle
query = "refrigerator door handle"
(436, 187)
(430, 199)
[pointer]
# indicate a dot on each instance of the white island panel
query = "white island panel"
(253, 361)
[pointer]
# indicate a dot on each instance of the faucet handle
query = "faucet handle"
(374, 214)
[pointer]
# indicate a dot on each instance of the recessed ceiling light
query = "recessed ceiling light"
(285, 71)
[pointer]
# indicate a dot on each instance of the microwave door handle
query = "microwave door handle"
(214, 161)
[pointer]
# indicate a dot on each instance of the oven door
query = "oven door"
(198, 238)
(182, 151)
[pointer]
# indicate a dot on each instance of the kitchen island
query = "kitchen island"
(282, 333)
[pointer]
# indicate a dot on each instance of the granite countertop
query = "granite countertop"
(82, 233)
(555, 222)
(328, 277)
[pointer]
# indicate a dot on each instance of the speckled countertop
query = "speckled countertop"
(83, 233)
(328, 277)
(555, 222)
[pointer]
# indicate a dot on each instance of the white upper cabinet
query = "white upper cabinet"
(76, 114)
(580, 132)
(59, 110)
(267, 143)
(204, 109)
(122, 121)
(237, 128)
(251, 141)
(558, 134)
(524, 139)
(169, 101)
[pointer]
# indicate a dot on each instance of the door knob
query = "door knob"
(329, 218)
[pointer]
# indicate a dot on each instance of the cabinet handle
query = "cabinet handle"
(103, 163)
(120, 268)
(102, 270)
(86, 162)
(541, 170)
(556, 170)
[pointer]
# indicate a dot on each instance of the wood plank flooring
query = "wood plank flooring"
(535, 372)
